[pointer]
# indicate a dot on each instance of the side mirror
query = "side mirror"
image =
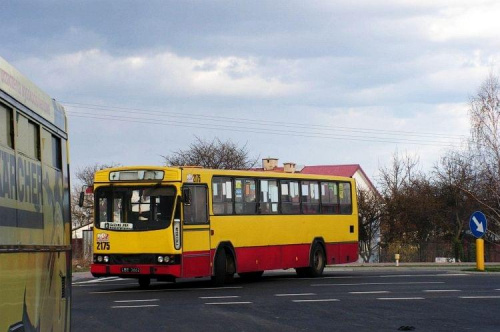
(81, 199)
(186, 196)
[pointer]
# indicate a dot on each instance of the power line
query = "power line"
(260, 122)
(260, 131)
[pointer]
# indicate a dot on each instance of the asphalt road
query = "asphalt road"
(357, 300)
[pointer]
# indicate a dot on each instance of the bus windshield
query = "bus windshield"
(134, 209)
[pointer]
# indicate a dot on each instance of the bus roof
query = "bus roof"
(175, 173)
(25, 92)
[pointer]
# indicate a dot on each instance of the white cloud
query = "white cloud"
(472, 20)
(164, 74)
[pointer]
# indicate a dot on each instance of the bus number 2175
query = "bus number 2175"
(103, 246)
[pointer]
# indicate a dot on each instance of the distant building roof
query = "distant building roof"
(333, 170)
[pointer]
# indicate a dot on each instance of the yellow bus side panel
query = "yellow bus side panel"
(253, 231)
(31, 294)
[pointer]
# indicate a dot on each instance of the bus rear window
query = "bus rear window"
(135, 209)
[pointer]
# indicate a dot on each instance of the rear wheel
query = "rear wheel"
(144, 282)
(317, 263)
(251, 276)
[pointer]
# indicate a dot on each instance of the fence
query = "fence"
(429, 251)
(82, 249)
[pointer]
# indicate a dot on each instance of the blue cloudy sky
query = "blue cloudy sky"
(314, 82)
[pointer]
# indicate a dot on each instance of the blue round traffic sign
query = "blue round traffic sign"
(477, 224)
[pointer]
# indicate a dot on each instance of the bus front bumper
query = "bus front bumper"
(135, 271)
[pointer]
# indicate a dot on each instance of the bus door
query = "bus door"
(196, 232)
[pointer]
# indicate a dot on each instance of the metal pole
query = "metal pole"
(480, 254)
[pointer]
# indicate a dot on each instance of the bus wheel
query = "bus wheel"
(316, 264)
(144, 282)
(318, 261)
(224, 264)
(251, 276)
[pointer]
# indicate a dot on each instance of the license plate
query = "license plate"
(131, 270)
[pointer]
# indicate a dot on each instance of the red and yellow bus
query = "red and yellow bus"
(165, 223)
(35, 226)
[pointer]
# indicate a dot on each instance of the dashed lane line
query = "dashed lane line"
(441, 290)
(400, 298)
(97, 281)
(219, 297)
(317, 300)
(135, 301)
(163, 290)
(227, 303)
(134, 306)
(481, 297)
(370, 292)
(382, 283)
(297, 294)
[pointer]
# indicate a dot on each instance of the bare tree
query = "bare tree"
(212, 154)
(82, 216)
(455, 177)
(485, 126)
(394, 183)
(370, 207)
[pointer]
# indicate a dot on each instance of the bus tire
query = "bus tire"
(317, 263)
(251, 276)
(144, 282)
(224, 264)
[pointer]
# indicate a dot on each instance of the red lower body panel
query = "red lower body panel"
(101, 270)
(291, 256)
(248, 259)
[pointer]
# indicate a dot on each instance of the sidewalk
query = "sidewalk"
(364, 267)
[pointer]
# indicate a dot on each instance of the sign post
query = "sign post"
(478, 224)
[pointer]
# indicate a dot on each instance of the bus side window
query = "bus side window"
(245, 196)
(329, 198)
(310, 197)
(222, 196)
(345, 198)
(269, 199)
(6, 127)
(28, 140)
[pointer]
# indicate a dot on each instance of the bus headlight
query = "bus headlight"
(106, 259)
(99, 259)
(166, 259)
(160, 259)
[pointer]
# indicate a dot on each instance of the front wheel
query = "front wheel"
(144, 282)
(224, 269)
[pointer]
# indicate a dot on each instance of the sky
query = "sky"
(310, 82)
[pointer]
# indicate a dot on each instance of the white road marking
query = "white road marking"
(134, 306)
(96, 281)
(382, 283)
(399, 298)
(132, 301)
(110, 284)
(301, 294)
(218, 297)
(425, 275)
(227, 303)
(441, 290)
(372, 292)
(480, 297)
(162, 290)
(319, 300)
